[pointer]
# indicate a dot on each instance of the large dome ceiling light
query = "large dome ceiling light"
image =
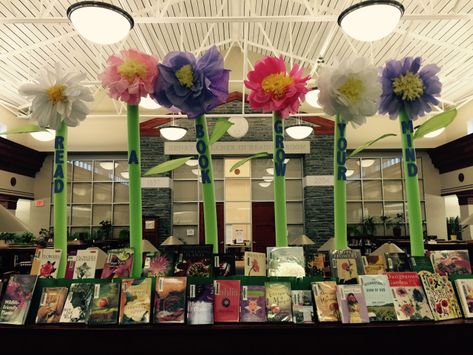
(172, 132)
(312, 98)
(371, 20)
(100, 22)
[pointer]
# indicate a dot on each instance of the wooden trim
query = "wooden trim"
(18, 159)
(454, 155)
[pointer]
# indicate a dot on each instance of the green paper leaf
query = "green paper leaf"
(167, 166)
(243, 161)
(29, 128)
(438, 121)
(369, 143)
(220, 128)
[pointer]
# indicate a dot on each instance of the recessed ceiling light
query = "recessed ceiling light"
(172, 133)
(299, 131)
(44, 136)
(435, 133)
(312, 98)
(148, 103)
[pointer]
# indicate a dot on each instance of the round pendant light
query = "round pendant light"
(312, 98)
(100, 22)
(44, 136)
(148, 103)
(239, 127)
(299, 131)
(371, 20)
(172, 133)
(192, 162)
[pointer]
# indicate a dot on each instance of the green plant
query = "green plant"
(124, 234)
(397, 221)
(7, 236)
(353, 230)
(105, 230)
(24, 238)
(454, 227)
(369, 225)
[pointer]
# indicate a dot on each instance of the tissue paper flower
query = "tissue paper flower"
(194, 86)
(404, 86)
(351, 90)
(130, 76)
(273, 89)
(57, 96)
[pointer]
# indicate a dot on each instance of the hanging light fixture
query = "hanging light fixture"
(108, 165)
(44, 136)
(435, 133)
(312, 98)
(148, 103)
(371, 20)
(100, 22)
(192, 162)
(264, 184)
(173, 132)
(299, 130)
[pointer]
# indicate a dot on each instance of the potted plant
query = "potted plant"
(369, 226)
(397, 223)
(386, 220)
(6, 237)
(454, 229)
(105, 230)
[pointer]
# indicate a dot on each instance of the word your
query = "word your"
(409, 152)
(341, 153)
(280, 154)
(201, 147)
(59, 161)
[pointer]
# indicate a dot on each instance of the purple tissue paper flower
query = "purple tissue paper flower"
(407, 86)
(194, 86)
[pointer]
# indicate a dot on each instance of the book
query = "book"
(421, 263)
(278, 301)
(51, 304)
(17, 299)
(286, 261)
(48, 263)
(379, 298)
(200, 304)
(374, 265)
(227, 301)
(36, 263)
(160, 263)
(85, 264)
(194, 260)
(451, 262)
(398, 262)
(465, 295)
(409, 297)
(440, 295)
(224, 265)
(135, 301)
(302, 307)
(346, 265)
(104, 305)
(70, 264)
(77, 303)
(118, 263)
(352, 304)
(326, 304)
(255, 263)
(317, 263)
(253, 304)
(170, 300)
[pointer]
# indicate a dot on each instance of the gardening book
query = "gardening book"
(118, 263)
(104, 306)
(286, 261)
(200, 304)
(451, 262)
(278, 301)
(170, 300)
(160, 263)
(441, 296)
(227, 301)
(379, 298)
(194, 260)
(48, 263)
(224, 265)
(36, 263)
(253, 304)
(135, 301)
(85, 264)
(409, 297)
(465, 294)
(317, 263)
(346, 265)
(17, 299)
(325, 296)
(352, 303)
(398, 262)
(374, 265)
(302, 307)
(255, 263)
(51, 304)
(77, 304)
(71, 263)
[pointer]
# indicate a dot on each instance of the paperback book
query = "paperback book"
(170, 300)
(104, 306)
(316, 263)
(85, 264)
(71, 263)
(352, 303)
(326, 304)
(49, 261)
(36, 263)
(346, 265)
(118, 263)
(227, 301)
(398, 262)
(409, 297)
(194, 260)
(253, 304)
(451, 262)
(278, 301)
(379, 298)
(17, 299)
(302, 307)
(224, 265)
(160, 263)
(465, 294)
(286, 261)
(51, 304)
(77, 304)
(135, 301)
(374, 265)
(200, 304)
(441, 296)
(255, 263)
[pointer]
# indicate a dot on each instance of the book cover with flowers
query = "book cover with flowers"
(170, 300)
(160, 262)
(302, 307)
(224, 265)
(51, 304)
(317, 263)
(278, 301)
(379, 298)
(118, 263)
(200, 304)
(104, 305)
(465, 294)
(253, 304)
(346, 265)
(227, 301)
(85, 264)
(17, 299)
(194, 260)
(326, 304)
(49, 261)
(135, 301)
(76, 308)
(451, 262)
(441, 296)
(286, 261)
(410, 301)
(255, 263)
(352, 304)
